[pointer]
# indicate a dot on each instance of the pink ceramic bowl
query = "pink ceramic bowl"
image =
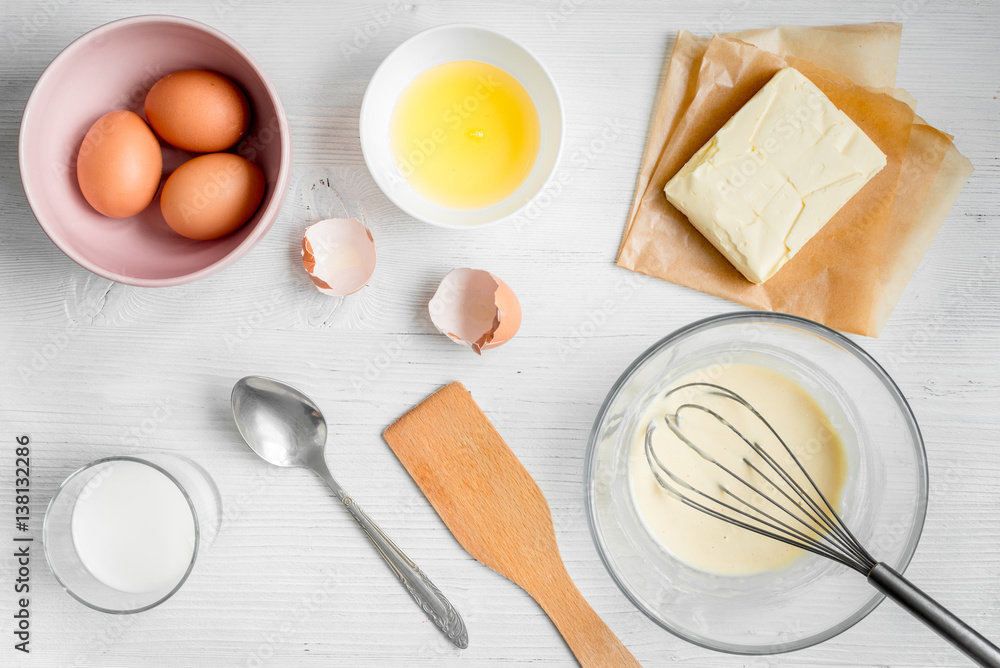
(112, 67)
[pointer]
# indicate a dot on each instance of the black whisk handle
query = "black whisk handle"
(933, 614)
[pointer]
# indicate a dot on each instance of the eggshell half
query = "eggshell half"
(475, 309)
(339, 255)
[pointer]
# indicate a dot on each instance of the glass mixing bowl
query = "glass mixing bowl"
(884, 499)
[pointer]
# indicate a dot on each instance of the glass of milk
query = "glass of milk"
(122, 534)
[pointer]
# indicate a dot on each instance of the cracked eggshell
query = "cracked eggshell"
(339, 255)
(475, 309)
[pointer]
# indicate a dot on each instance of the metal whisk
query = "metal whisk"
(795, 512)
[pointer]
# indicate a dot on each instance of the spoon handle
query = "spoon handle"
(430, 599)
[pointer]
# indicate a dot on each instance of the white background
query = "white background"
(106, 356)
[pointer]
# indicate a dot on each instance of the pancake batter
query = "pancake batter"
(708, 543)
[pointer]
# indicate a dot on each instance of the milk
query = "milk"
(133, 529)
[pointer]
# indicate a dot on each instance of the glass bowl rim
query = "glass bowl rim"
(830, 336)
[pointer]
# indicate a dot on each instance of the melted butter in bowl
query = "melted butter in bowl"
(707, 543)
(465, 134)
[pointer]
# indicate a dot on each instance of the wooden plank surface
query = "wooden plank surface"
(290, 580)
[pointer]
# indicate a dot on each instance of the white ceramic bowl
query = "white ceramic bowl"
(445, 44)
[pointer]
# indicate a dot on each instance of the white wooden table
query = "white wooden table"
(88, 365)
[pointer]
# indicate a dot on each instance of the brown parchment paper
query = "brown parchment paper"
(914, 226)
(852, 273)
(866, 53)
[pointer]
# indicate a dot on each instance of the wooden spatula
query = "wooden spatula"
(497, 512)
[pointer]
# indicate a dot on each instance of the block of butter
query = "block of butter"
(774, 174)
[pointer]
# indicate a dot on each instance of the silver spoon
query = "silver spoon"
(286, 428)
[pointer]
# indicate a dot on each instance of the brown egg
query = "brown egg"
(119, 165)
(212, 195)
(198, 111)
